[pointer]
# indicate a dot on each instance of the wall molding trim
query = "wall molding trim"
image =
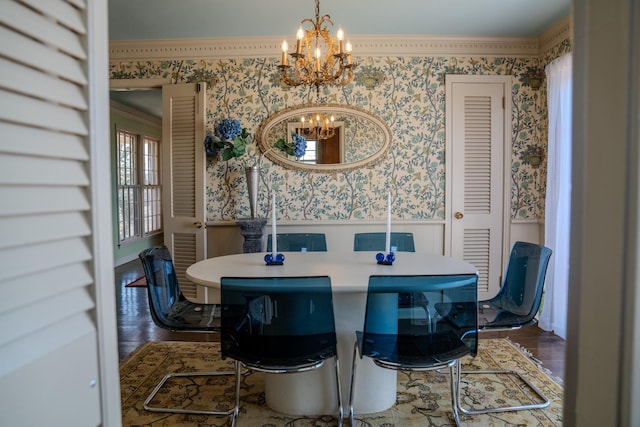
(527, 221)
(135, 114)
(135, 84)
(375, 45)
(556, 33)
(337, 222)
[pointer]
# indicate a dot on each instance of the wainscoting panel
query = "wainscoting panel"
(224, 238)
(526, 231)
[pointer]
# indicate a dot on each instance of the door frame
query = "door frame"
(137, 84)
(506, 82)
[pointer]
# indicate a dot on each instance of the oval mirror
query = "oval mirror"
(338, 137)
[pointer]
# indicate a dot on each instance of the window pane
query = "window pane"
(152, 212)
(126, 158)
(127, 212)
(151, 162)
(310, 155)
(129, 206)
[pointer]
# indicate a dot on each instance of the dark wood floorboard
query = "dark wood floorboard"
(135, 326)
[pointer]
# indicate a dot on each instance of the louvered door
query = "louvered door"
(58, 346)
(477, 193)
(183, 177)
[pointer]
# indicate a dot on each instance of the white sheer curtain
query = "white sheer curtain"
(558, 198)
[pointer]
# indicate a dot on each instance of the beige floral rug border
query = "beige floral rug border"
(423, 398)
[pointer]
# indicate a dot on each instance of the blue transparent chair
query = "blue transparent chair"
(399, 335)
(278, 325)
(172, 311)
(402, 242)
(515, 306)
(299, 242)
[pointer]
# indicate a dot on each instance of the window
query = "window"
(311, 154)
(319, 151)
(139, 191)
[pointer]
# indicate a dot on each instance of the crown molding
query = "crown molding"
(556, 34)
(134, 114)
(445, 46)
(375, 45)
(137, 84)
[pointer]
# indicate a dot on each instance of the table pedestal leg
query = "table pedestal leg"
(314, 393)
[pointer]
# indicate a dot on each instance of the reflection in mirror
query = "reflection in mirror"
(359, 137)
(325, 143)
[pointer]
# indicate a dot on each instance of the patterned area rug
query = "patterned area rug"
(423, 398)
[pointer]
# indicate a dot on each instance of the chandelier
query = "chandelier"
(318, 58)
(318, 126)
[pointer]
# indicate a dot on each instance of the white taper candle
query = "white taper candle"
(388, 242)
(274, 235)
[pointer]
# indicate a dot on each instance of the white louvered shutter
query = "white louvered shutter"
(57, 307)
(477, 193)
(184, 177)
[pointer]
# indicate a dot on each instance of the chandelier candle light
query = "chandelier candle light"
(309, 67)
(322, 128)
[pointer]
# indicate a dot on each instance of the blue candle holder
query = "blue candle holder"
(270, 259)
(385, 260)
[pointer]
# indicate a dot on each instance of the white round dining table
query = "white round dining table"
(313, 393)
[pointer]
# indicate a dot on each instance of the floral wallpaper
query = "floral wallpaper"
(411, 100)
(362, 138)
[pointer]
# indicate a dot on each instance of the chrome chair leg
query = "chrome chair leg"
(454, 374)
(147, 406)
(339, 392)
(353, 384)
(236, 406)
(545, 400)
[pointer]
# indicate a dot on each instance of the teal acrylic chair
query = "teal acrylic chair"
(515, 306)
(399, 335)
(172, 311)
(299, 242)
(278, 325)
(376, 241)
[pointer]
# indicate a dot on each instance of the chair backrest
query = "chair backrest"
(299, 242)
(283, 320)
(162, 284)
(401, 242)
(420, 319)
(521, 291)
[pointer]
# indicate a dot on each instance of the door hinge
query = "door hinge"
(503, 106)
(199, 89)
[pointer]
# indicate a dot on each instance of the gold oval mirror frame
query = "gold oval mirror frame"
(362, 138)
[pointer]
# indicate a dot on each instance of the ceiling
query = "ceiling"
(170, 19)
(146, 101)
(174, 19)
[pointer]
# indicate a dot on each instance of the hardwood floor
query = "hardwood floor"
(135, 326)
